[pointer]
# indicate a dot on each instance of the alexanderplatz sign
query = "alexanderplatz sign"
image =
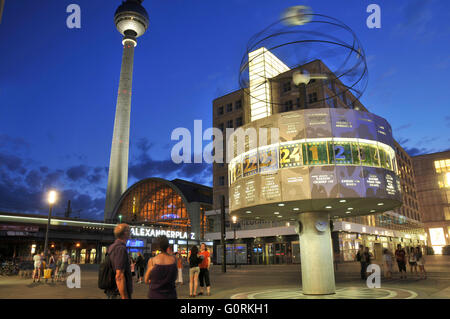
(155, 232)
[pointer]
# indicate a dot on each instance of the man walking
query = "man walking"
(400, 255)
(361, 256)
(121, 263)
(204, 269)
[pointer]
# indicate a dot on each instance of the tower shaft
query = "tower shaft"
(118, 164)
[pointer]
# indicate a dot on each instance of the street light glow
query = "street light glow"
(51, 197)
(234, 218)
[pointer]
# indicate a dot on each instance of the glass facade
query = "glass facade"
(154, 202)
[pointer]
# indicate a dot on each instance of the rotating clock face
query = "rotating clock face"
(321, 225)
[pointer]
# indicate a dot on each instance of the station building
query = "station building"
(275, 242)
(152, 207)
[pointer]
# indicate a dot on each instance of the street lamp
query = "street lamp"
(234, 218)
(302, 79)
(51, 198)
(120, 219)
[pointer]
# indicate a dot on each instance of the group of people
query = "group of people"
(413, 256)
(163, 273)
(54, 267)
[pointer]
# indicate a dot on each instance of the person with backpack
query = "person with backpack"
(115, 272)
(361, 256)
(400, 255)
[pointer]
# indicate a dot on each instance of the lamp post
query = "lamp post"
(51, 200)
(234, 218)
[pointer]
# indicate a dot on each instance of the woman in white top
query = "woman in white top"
(37, 267)
(413, 260)
(388, 263)
(421, 263)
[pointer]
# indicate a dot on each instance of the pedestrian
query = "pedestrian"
(412, 258)
(37, 259)
(388, 263)
(133, 267)
(121, 265)
(52, 265)
(421, 263)
(361, 257)
(204, 270)
(180, 268)
(194, 270)
(65, 260)
(140, 267)
(58, 266)
(162, 273)
(400, 255)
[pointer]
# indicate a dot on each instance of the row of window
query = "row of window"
(289, 106)
(229, 124)
(229, 107)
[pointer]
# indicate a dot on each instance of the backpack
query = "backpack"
(106, 275)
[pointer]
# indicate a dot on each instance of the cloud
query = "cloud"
(77, 172)
(417, 17)
(402, 127)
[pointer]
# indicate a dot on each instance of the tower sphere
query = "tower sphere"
(131, 18)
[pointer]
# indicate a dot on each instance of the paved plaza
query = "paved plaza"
(261, 282)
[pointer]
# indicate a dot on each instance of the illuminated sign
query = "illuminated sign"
(312, 152)
(152, 232)
(437, 236)
(135, 243)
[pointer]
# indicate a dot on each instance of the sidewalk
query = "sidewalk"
(255, 281)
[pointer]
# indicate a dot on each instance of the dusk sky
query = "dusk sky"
(58, 86)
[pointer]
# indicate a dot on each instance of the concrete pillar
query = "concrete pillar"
(316, 254)
(118, 164)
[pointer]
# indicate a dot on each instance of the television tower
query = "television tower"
(131, 21)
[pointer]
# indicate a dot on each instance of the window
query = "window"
(239, 121)
(221, 181)
(287, 86)
(312, 97)
(220, 111)
(230, 123)
(220, 127)
(238, 105)
(229, 107)
(288, 106)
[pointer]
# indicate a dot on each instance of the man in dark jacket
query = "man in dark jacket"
(121, 263)
(140, 265)
(364, 260)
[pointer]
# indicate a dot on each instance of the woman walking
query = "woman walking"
(421, 263)
(413, 260)
(194, 270)
(140, 266)
(162, 273)
(388, 263)
(180, 268)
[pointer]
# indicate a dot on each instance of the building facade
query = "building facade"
(400, 225)
(152, 207)
(432, 173)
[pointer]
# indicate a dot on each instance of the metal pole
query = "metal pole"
(46, 232)
(234, 246)
(222, 234)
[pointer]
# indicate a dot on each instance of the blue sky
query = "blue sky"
(58, 85)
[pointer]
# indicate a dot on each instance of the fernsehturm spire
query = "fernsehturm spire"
(132, 21)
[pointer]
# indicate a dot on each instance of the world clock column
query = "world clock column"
(316, 253)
